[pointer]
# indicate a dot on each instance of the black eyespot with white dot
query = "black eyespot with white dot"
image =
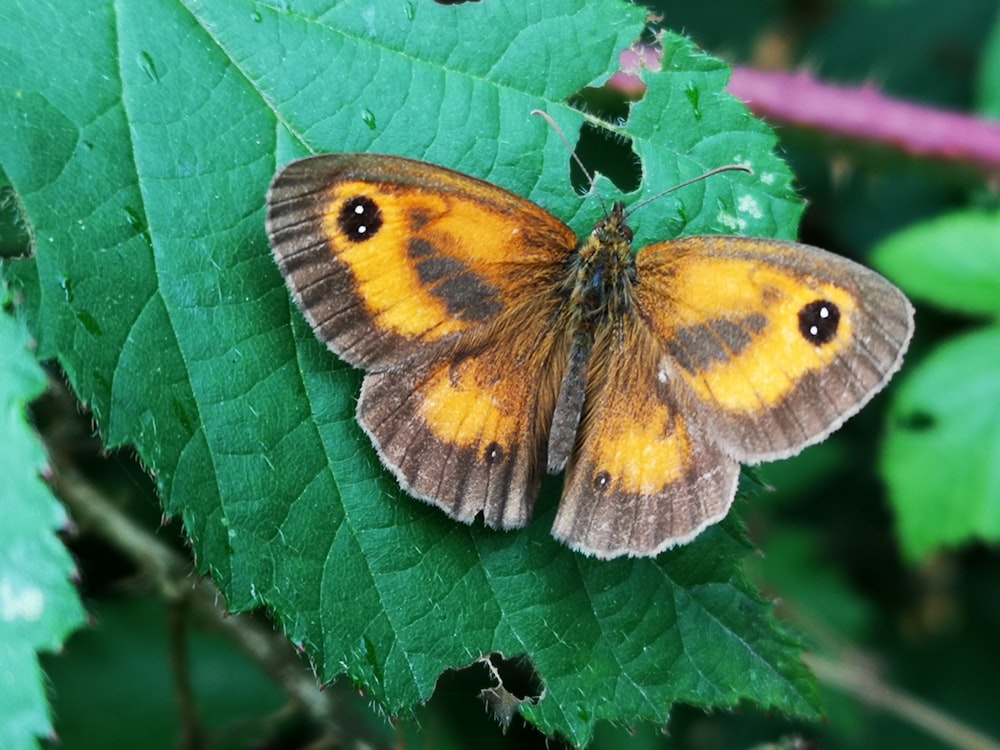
(818, 322)
(602, 481)
(493, 454)
(360, 218)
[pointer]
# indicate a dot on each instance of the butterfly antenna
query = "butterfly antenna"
(572, 152)
(699, 178)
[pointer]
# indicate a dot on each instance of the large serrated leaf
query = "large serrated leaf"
(39, 606)
(157, 292)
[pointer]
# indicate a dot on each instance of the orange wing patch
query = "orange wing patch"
(645, 476)
(763, 350)
(387, 256)
(467, 434)
(778, 343)
(638, 456)
(464, 405)
(427, 276)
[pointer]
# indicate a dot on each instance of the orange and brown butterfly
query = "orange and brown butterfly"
(497, 346)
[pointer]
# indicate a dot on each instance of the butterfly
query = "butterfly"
(498, 347)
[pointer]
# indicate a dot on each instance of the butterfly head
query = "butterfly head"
(614, 230)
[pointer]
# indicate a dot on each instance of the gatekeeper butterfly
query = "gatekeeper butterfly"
(496, 346)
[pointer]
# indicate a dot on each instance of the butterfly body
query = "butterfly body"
(598, 295)
(496, 347)
(604, 272)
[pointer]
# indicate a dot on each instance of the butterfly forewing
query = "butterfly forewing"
(387, 256)
(778, 343)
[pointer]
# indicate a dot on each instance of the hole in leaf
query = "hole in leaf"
(514, 682)
(16, 235)
(502, 684)
(601, 149)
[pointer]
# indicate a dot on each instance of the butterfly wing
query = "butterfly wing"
(739, 350)
(645, 475)
(442, 287)
(777, 343)
(466, 432)
(387, 256)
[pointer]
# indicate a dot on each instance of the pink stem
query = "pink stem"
(862, 113)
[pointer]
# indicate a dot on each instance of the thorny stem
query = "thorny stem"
(856, 673)
(860, 113)
(192, 729)
(864, 113)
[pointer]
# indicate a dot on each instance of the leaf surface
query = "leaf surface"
(156, 290)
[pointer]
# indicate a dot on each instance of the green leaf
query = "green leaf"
(156, 290)
(952, 261)
(942, 453)
(39, 606)
(942, 449)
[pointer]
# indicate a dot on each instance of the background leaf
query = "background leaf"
(39, 607)
(988, 80)
(128, 654)
(942, 452)
(943, 446)
(156, 292)
(952, 261)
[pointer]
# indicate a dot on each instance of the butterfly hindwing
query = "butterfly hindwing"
(645, 475)
(466, 432)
